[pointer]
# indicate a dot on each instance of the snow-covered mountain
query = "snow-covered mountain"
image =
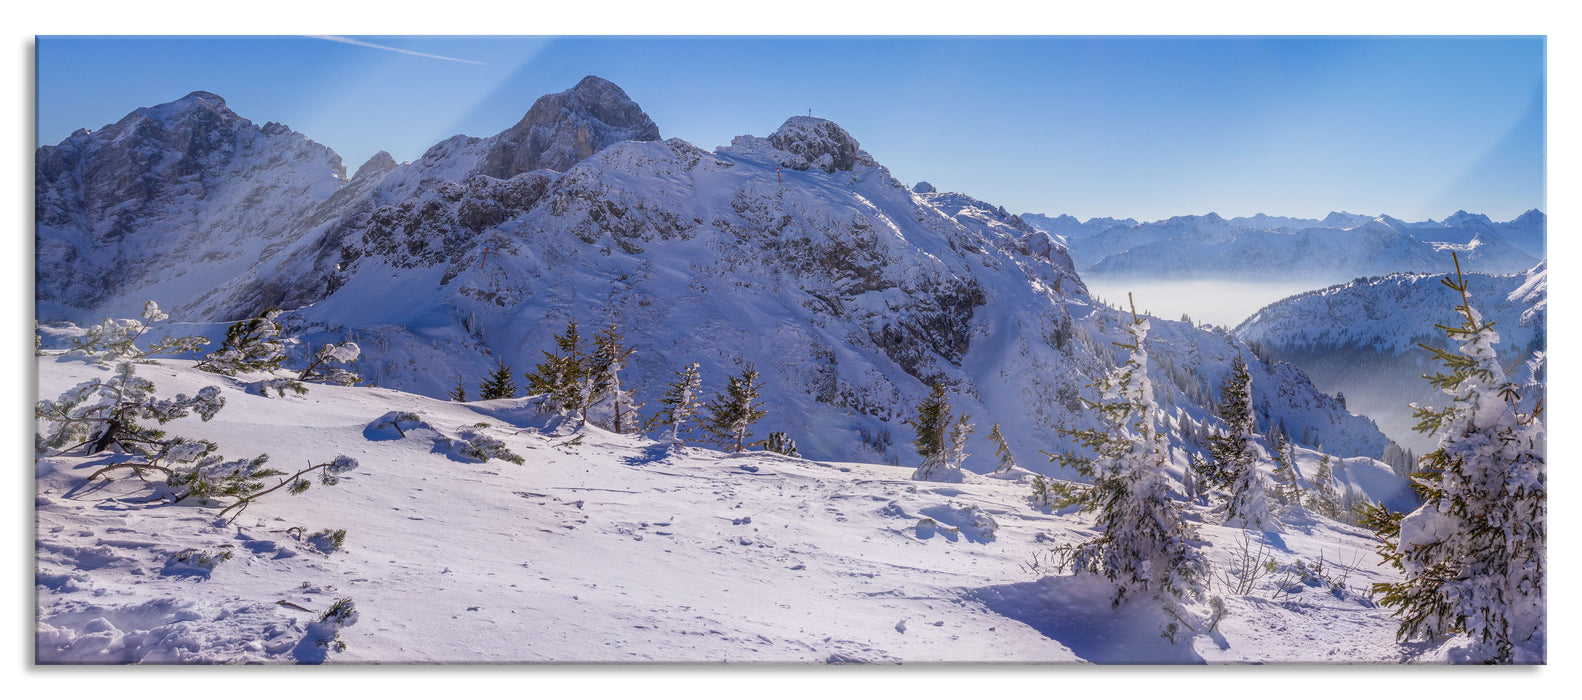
(1340, 246)
(170, 202)
(796, 252)
(1360, 338)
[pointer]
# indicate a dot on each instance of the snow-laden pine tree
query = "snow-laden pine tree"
(1234, 455)
(250, 345)
(945, 465)
(679, 406)
(1287, 483)
(1324, 497)
(1145, 547)
(563, 378)
(1474, 553)
(115, 340)
(610, 355)
(733, 412)
(500, 383)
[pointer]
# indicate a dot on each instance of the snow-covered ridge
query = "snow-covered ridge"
(849, 292)
(1393, 313)
(1361, 338)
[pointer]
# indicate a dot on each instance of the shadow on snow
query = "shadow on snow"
(1075, 611)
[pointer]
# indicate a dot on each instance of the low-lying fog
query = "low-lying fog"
(1220, 302)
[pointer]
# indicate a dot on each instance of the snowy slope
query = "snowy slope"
(617, 550)
(1361, 338)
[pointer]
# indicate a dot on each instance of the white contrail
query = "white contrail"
(355, 42)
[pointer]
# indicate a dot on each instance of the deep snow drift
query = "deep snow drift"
(611, 548)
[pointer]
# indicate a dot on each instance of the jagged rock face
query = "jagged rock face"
(163, 199)
(818, 143)
(564, 128)
(923, 187)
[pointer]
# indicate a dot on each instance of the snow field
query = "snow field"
(613, 549)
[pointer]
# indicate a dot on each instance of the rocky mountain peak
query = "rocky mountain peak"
(1462, 218)
(562, 129)
(381, 162)
(923, 187)
(818, 143)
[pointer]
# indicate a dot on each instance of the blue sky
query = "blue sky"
(1145, 127)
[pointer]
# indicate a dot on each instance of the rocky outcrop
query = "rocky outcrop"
(565, 128)
(818, 143)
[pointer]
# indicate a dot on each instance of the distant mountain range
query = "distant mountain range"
(1339, 247)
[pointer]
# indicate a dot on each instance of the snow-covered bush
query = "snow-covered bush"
(106, 413)
(327, 541)
(195, 562)
(251, 345)
(325, 632)
(1474, 553)
(325, 366)
(478, 447)
(779, 443)
(115, 340)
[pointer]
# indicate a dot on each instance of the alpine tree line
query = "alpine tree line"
(581, 379)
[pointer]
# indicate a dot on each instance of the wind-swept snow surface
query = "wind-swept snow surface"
(612, 548)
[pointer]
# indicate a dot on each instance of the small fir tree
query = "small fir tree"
(1324, 497)
(1002, 450)
(731, 414)
(1473, 554)
(1145, 546)
(1287, 483)
(933, 418)
(610, 356)
(499, 384)
(679, 406)
(564, 377)
(458, 392)
(1235, 454)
